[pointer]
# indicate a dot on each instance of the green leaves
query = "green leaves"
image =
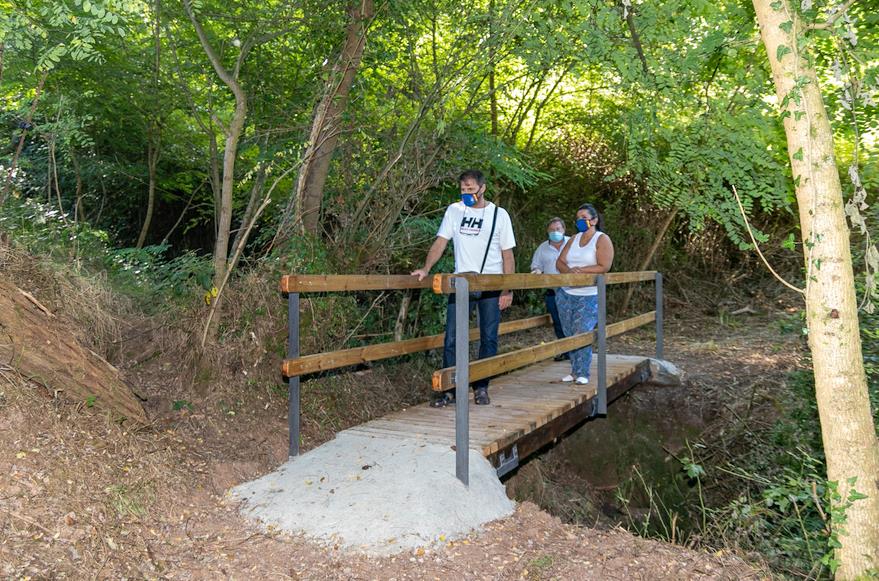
(781, 51)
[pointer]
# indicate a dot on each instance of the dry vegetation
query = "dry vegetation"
(85, 497)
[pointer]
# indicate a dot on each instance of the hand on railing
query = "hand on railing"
(420, 273)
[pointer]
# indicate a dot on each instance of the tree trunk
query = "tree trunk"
(651, 252)
(230, 151)
(847, 429)
(327, 120)
(258, 183)
(78, 208)
(30, 118)
(154, 131)
(43, 349)
(400, 324)
(153, 151)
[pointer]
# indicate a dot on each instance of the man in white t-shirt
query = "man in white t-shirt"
(482, 236)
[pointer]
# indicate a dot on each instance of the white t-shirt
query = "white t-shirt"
(468, 230)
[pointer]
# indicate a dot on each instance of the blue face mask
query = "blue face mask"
(468, 199)
(582, 225)
(556, 236)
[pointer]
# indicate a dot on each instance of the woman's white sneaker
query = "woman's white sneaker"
(582, 380)
(568, 378)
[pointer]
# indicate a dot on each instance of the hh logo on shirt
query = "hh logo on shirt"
(471, 226)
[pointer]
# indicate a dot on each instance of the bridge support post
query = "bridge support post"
(601, 408)
(462, 380)
(659, 349)
(293, 382)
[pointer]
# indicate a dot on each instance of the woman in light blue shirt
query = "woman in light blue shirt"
(544, 262)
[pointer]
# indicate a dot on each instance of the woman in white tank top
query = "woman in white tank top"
(589, 252)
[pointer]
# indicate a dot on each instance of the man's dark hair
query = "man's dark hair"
(554, 220)
(595, 215)
(472, 174)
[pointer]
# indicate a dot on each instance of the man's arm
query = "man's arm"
(509, 268)
(433, 255)
(535, 261)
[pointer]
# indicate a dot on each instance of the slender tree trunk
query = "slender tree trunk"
(847, 429)
(492, 93)
(636, 38)
(230, 152)
(78, 208)
(327, 121)
(153, 152)
(154, 132)
(651, 252)
(258, 182)
(30, 118)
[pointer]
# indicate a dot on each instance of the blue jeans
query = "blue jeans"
(553, 310)
(489, 321)
(579, 314)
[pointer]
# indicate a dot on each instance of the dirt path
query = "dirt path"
(84, 498)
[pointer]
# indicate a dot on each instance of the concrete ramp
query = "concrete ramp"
(376, 495)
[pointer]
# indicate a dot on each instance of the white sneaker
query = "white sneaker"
(568, 378)
(582, 380)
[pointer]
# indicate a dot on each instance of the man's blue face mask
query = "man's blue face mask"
(556, 236)
(468, 199)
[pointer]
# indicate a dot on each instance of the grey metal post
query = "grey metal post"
(602, 344)
(659, 315)
(462, 380)
(293, 382)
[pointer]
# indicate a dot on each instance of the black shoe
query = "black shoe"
(480, 396)
(442, 400)
(561, 357)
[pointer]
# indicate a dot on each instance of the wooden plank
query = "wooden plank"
(444, 379)
(336, 359)
(312, 283)
(442, 283)
(547, 433)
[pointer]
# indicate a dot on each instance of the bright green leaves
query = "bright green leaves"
(787, 26)
(798, 155)
(781, 51)
(789, 243)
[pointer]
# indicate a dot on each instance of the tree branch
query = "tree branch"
(832, 18)
(757, 248)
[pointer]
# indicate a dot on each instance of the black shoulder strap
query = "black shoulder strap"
(490, 236)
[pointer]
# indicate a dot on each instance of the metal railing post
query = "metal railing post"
(293, 382)
(659, 348)
(602, 345)
(462, 380)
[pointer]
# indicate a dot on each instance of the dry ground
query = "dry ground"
(83, 497)
(86, 498)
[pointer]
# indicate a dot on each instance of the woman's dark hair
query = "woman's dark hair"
(595, 215)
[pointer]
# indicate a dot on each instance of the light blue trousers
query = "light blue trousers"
(579, 314)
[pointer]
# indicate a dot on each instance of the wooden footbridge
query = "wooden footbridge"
(530, 406)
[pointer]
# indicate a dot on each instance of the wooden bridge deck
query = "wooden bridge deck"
(529, 408)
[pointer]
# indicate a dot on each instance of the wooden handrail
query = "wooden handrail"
(442, 283)
(313, 283)
(444, 379)
(336, 359)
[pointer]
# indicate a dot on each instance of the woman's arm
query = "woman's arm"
(604, 256)
(561, 262)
